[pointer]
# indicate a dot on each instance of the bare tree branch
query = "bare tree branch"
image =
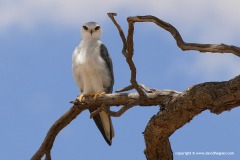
(213, 48)
(122, 110)
(128, 51)
(128, 100)
(62, 122)
(178, 107)
(124, 50)
(142, 86)
(215, 96)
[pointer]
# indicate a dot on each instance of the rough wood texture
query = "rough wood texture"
(214, 96)
(177, 108)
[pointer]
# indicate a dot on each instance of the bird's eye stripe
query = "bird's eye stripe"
(84, 27)
(97, 28)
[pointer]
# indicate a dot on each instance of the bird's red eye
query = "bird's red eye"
(97, 28)
(85, 28)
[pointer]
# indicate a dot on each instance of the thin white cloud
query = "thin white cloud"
(70, 12)
(205, 21)
(28, 14)
(212, 21)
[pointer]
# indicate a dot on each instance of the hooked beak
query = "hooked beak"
(91, 32)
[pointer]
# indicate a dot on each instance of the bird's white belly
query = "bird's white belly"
(93, 73)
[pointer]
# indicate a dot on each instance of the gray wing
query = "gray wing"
(106, 57)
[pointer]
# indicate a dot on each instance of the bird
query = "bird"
(93, 72)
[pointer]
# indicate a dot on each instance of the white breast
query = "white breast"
(89, 69)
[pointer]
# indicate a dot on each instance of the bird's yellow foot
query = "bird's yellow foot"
(94, 95)
(81, 97)
(98, 95)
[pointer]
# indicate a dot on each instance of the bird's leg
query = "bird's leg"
(98, 95)
(94, 95)
(82, 96)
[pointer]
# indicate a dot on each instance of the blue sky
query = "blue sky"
(37, 41)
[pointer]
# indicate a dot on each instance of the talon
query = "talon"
(81, 97)
(98, 95)
(102, 93)
(94, 95)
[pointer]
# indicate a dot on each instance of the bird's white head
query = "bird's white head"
(91, 31)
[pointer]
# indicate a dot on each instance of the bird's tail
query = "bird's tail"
(104, 124)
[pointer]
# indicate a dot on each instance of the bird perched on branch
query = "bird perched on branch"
(93, 73)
